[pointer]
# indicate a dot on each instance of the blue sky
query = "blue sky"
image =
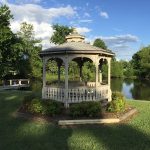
(123, 25)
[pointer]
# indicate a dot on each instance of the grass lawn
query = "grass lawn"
(21, 134)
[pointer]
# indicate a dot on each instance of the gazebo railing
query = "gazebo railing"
(76, 95)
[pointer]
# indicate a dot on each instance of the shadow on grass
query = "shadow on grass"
(17, 133)
(111, 137)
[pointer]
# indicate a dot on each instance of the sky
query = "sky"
(124, 25)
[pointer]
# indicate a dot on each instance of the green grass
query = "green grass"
(22, 134)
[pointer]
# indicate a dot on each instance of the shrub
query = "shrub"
(53, 107)
(117, 104)
(44, 107)
(85, 109)
(37, 106)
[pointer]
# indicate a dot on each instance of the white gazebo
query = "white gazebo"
(75, 49)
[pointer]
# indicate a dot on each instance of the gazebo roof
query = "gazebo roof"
(75, 45)
(75, 48)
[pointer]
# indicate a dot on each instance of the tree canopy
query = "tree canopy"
(18, 52)
(100, 43)
(141, 62)
(60, 32)
(30, 51)
(9, 42)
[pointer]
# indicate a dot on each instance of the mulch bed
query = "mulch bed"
(22, 112)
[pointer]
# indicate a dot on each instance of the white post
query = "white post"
(44, 73)
(66, 82)
(109, 69)
(10, 82)
(44, 79)
(100, 76)
(97, 74)
(19, 82)
(109, 79)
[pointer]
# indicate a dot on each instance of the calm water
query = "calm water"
(132, 89)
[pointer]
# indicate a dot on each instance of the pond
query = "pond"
(132, 89)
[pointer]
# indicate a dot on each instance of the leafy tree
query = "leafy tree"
(9, 43)
(100, 43)
(141, 62)
(128, 70)
(60, 32)
(88, 71)
(116, 69)
(30, 52)
(73, 70)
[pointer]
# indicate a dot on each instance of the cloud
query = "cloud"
(33, 12)
(104, 14)
(83, 30)
(120, 39)
(42, 30)
(86, 21)
(40, 17)
(28, 1)
(121, 45)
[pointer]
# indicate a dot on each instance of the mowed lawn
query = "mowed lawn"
(22, 134)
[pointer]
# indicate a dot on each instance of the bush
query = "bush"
(85, 109)
(44, 107)
(117, 104)
(37, 106)
(53, 107)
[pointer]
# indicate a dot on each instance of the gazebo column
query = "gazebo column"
(97, 74)
(44, 79)
(109, 78)
(44, 73)
(100, 72)
(109, 69)
(66, 82)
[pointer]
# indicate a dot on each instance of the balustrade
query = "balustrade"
(76, 95)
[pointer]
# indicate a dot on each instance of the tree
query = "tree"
(116, 69)
(100, 43)
(60, 32)
(30, 60)
(128, 70)
(141, 62)
(88, 71)
(9, 43)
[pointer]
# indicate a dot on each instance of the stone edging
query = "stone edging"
(98, 121)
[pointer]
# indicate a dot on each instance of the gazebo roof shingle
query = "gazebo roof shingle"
(75, 47)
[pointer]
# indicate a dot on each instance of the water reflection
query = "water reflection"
(132, 89)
